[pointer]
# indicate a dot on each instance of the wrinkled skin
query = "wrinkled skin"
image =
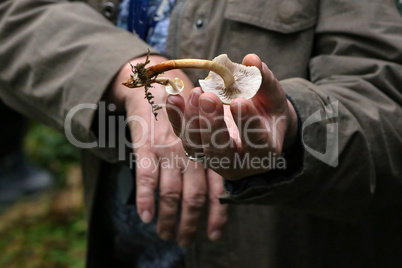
(184, 188)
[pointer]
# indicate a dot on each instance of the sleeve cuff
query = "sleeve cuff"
(312, 184)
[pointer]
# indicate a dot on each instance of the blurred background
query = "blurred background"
(46, 228)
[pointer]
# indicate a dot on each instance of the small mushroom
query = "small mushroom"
(247, 81)
(171, 87)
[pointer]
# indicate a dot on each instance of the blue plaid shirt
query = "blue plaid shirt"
(149, 19)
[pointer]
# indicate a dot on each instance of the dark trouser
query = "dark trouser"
(12, 131)
(117, 236)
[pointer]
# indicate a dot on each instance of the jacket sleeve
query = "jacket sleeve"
(56, 55)
(350, 112)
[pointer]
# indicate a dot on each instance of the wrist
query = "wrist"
(120, 95)
(124, 97)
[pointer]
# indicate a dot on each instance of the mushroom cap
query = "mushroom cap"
(179, 86)
(248, 80)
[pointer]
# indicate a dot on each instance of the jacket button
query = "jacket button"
(199, 23)
(109, 10)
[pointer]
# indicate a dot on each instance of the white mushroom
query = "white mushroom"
(171, 87)
(247, 81)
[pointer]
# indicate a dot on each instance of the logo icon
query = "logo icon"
(331, 155)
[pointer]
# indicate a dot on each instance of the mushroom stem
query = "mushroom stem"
(176, 86)
(221, 70)
(164, 81)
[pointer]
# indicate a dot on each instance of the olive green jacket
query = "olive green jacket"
(339, 61)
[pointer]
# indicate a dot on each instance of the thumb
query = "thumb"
(270, 94)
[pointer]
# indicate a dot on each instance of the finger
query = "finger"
(175, 109)
(146, 181)
(267, 76)
(217, 212)
(170, 186)
(252, 130)
(191, 137)
(193, 201)
(270, 93)
(252, 60)
(214, 132)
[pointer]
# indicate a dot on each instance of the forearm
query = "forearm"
(59, 55)
(350, 113)
(350, 160)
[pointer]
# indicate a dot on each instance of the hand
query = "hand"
(248, 130)
(182, 183)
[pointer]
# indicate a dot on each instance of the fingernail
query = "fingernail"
(166, 236)
(215, 235)
(207, 105)
(256, 56)
(194, 98)
(171, 102)
(146, 216)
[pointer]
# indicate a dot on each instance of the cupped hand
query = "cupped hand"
(184, 187)
(237, 140)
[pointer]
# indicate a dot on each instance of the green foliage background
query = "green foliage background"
(47, 230)
(49, 149)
